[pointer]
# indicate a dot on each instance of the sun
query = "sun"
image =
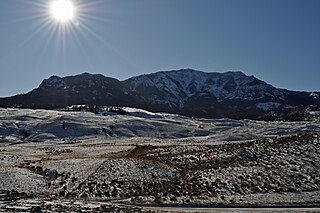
(62, 10)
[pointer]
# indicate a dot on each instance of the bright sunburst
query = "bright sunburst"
(61, 25)
(62, 10)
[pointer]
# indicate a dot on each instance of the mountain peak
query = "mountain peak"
(53, 81)
(89, 75)
(185, 91)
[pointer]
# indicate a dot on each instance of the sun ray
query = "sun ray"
(26, 40)
(28, 18)
(102, 20)
(99, 38)
(93, 3)
(37, 3)
(80, 45)
(51, 32)
(107, 44)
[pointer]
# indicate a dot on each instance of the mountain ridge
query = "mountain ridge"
(185, 91)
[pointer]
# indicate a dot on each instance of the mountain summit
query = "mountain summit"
(186, 91)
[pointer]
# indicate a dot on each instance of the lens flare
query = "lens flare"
(62, 10)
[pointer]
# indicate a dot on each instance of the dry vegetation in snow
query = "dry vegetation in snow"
(55, 161)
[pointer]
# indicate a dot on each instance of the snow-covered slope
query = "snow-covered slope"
(176, 87)
(18, 125)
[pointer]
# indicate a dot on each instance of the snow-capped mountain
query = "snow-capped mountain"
(185, 91)
(175, 88)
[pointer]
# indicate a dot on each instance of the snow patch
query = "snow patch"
(314, 95)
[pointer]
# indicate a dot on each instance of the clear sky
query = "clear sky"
(278, 41)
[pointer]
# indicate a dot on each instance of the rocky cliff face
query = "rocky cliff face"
(186, 91)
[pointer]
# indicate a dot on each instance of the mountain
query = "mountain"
(186, 91)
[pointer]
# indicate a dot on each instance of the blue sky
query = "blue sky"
(278, 41)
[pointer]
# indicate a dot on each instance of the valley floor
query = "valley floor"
(54, 161)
